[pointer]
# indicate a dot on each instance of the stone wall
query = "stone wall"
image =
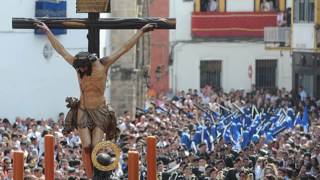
(128, 85)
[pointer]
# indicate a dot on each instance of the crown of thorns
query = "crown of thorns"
(84, 59)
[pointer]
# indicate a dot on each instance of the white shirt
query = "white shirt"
(267, 6)
(212, 5)
(205, 99)
(303, 95)
(280, 19)
(142, 125)
(162, 144)
(124, 127)
(36, 134)
(259, 173)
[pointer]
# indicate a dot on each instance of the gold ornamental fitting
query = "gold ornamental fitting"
(104, 145)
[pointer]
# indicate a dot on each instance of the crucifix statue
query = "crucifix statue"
(92, 115)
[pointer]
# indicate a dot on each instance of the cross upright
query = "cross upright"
(94, 23)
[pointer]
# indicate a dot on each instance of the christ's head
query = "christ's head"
(83, 63)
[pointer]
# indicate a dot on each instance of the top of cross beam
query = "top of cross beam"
(102, 23)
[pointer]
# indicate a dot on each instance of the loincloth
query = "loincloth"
(70, 122)
(102, 117)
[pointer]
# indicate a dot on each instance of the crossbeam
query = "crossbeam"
(94, 24)
(102, 23)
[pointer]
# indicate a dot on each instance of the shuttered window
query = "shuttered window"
(266, 74)
(210, 73)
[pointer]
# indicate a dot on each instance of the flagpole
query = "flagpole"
(255, 108)
(237, 107)
(252, 111)
(223, 107)
(295, 121)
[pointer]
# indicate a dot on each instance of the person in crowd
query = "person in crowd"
(204, 5)
(212, 6)
(267, 6)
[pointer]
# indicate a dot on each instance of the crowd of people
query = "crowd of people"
(206, 134)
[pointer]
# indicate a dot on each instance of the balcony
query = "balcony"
(303, 37)
(277, 37)
(231, 24)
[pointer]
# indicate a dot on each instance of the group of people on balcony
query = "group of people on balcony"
(209, 5)
(212, 5)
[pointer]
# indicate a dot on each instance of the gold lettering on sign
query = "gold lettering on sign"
(86, 6)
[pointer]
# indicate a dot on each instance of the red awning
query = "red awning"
(231, 24)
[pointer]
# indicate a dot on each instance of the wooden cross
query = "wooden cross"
(94, 23)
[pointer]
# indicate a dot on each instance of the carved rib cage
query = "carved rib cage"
(86, 6)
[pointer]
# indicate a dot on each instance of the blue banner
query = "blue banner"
(45, 8)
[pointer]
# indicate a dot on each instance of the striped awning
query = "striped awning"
(231, 24)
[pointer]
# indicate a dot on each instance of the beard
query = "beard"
(87, 72)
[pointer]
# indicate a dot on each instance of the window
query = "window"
(304, 11)
(210, 73)
(266, 73)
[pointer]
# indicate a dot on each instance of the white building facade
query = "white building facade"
(306, 47)
(219, 49)
(35, 79)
